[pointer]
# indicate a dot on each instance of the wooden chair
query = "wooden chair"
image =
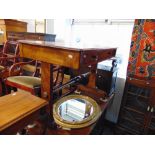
(29, 78)
(10, 51)
(9, 56)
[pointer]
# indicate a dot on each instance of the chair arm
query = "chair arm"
(17, 66)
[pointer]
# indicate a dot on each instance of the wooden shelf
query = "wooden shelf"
(133, 110)
(129, 92)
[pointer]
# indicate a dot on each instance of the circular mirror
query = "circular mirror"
(76, 111)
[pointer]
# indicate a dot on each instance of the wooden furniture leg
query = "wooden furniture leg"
(47, 90)
(92, 77)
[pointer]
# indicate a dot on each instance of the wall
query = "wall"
(31, 25)
(50, 26)
(62, 29)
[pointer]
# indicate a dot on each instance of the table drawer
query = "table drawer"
(95, 56)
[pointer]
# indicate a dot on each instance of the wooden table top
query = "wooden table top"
(65, 54)
(16, 106)
(65, 45)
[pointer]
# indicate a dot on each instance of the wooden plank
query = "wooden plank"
(16, 106)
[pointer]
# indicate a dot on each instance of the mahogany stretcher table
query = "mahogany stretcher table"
(17, 110)
(67, 55)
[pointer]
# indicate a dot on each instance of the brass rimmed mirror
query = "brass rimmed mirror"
(76, 111)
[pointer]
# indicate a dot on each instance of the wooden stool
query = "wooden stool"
(17, 110)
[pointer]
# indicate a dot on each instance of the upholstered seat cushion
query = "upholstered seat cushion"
(1, 67)
(27, 81)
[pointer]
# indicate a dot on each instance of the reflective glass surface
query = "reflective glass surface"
(75, 110)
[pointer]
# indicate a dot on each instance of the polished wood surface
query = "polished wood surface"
(17, 106)
(30, 36)
(51, 55)
(64, 54)
(67, 45)
(11, 25)
(46, 75)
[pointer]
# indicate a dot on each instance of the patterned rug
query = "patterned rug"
(142, 51)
